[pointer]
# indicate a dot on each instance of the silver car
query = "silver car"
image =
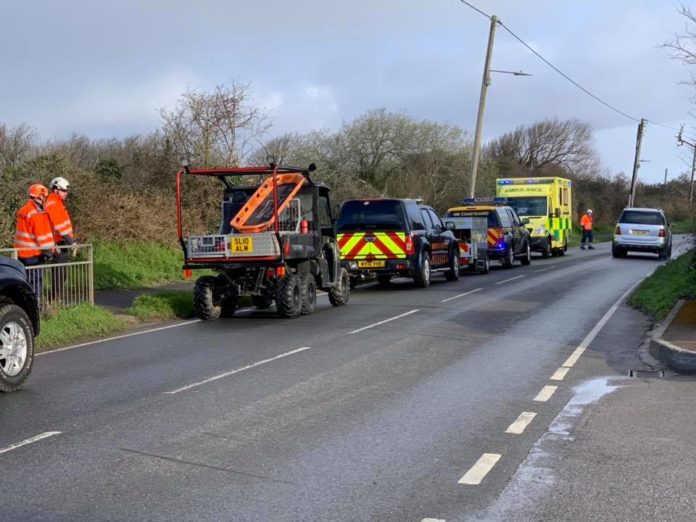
(642, 230)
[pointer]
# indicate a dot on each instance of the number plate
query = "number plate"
(371, 264)
(639, 232)
(241, 245)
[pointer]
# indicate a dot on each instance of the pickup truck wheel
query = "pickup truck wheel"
(339, 294)
(422, 277)
(16, 347)
(261, 301)
(527, 258)
(309, 295)
(204, 299)
(509, 258)
(453, 273)
(289, 297)
(486, 264)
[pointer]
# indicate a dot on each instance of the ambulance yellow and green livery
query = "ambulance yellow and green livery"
(544, 205)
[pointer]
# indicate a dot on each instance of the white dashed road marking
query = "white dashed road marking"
(545, 269)
(518, 427)
(42, 436)
(479, 470)
(382, 322)
(232, 372)
(560, 374)
(545, 393)
(460, 295)
(508, 280)
(433, 520)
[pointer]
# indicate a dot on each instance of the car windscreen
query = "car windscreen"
(637, 217)
(528, 206)
(488, 214)
(384, 214)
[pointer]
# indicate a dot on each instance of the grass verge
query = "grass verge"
(123, 265)
(658, 294)
(68, 325)
(601, 235)
(169, 305)
(688, 226)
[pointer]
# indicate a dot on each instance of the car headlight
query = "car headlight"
(540, 230)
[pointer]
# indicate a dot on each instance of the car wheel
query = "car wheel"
(422, 277)
(509, 259)
(547, 248)
(486, 264)
(453, 273)
(527, 258)
(16, 347)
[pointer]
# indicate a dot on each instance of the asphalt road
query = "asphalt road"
(379, 410)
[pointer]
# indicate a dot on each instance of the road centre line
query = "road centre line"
(117, 337)
(518, 427)
(479, 470)
(570, 361)
(511, 279)
(545, 393)
(31, 440)
(383, 322)
(232, 372)
(433, 520)
(560, 374)
(545, 269)
(460, 295)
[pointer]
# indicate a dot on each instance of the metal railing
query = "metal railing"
(67, 280)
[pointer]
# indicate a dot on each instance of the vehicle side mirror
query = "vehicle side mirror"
(557, 212)
(449, 225)
(525, 221)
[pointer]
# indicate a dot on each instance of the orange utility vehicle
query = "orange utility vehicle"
(276, 243)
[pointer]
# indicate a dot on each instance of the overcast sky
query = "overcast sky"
(102, 68)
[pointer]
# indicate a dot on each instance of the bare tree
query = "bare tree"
(682, 46)
(16, 145)
(218, 128)
(545, 148)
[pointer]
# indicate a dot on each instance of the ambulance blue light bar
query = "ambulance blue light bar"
(524, 181)
(489, 200)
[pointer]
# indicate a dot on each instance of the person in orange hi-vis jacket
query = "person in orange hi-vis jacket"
(63, 233)
(586, 225)
(34, 235)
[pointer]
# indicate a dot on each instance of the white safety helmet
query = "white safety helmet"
(60, 184)
(589, 211)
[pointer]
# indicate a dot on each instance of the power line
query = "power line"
(576, 84)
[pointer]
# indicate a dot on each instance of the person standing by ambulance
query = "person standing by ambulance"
(63, 234)
(34, 236)
(586, 225)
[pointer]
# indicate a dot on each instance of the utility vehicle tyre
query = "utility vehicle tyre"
(309, 295)
(226, 296)
(16, 347)
(261, 301)
(289, 297)
(527, 258)
(205, 303)
(453, 273)
(384, 280)
(422, 277)
(339, 294)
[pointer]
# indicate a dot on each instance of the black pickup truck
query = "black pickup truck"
(19, 324)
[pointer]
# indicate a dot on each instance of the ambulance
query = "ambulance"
(544, 205)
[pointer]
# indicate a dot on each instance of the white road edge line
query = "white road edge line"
(42, 436)
(479, 470)
(383, 322)
(117, 337)
(460, 295)
(518, 427)
(544, 269)
(433, 520)
(545, 393)
(560, 374)
(570, 361)
(508, 280)
(232, 372)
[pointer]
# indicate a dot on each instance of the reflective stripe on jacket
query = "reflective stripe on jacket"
(34, 231)
(59, 217)
(586, 222)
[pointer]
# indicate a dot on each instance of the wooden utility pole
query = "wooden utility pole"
(665, 177)
(636, 163)
(482, 105)
(682, 141)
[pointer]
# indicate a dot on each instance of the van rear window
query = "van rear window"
(637, 217)
(382, 214)
(491, 215)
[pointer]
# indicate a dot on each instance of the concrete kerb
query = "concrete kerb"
(677, 358)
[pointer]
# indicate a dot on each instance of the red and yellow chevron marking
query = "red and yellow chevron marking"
(493, 237)
(463, 249)
(372, 245)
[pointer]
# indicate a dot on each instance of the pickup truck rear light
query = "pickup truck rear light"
(662, 233)
(410, 250)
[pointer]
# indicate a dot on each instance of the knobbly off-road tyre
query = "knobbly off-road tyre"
(17, 334)
(289, 297)
(339, 294)
(309, 295)
(204, 303)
